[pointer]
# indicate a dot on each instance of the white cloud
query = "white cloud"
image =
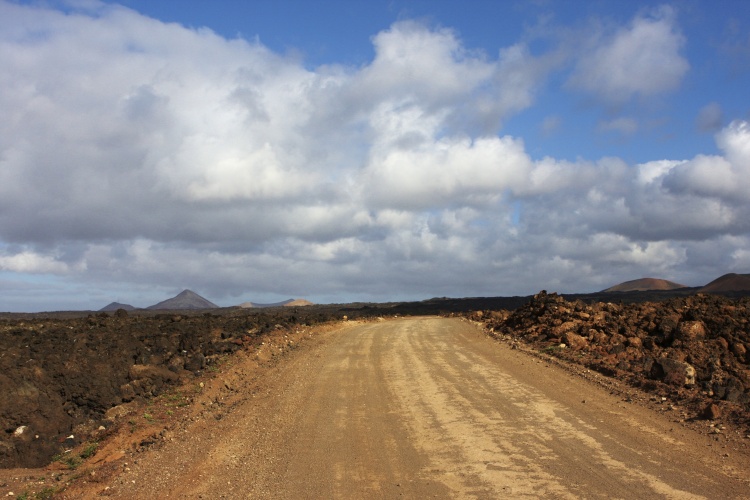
(722, 177)
(431, 65)
(734, 141)
(446, 172)
(653, 170)
(133, 151)
(432, 70)
(657, 256)
(32, 262)
(643, 59)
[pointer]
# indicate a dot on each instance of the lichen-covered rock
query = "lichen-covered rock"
(690, 331)
(676, 372)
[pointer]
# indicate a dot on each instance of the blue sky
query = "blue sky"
(339, 32)
(359, 150)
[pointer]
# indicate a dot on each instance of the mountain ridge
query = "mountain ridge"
(114, 306)
(186, 299)
(284, 303)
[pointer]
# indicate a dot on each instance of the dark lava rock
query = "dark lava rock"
(711, 412)
(692, 347)
(59, 374)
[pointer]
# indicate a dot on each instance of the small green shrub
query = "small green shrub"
(89, 450)
(46, 494)
(552, 349)
(72, 461)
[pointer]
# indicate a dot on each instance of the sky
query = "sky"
(351, 150)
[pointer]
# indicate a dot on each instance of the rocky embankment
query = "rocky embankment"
(59, 376)
(693, 349)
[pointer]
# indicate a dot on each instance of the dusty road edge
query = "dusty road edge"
(140, 426)
(733, 437)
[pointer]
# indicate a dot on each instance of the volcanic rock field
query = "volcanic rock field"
(62, 372)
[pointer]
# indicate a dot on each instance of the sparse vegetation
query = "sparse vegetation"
(552, 348)
(71, 460)
(46, 493)
(89, 450)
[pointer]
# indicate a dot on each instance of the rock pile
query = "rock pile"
(694, 348)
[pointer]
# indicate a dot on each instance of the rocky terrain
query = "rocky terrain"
(61, 372)
(693, 350)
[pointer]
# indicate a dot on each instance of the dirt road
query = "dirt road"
(428, 408)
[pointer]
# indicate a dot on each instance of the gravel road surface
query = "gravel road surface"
(428, 408)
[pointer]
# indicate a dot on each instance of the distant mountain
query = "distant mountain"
(728, 283)
(288, 303)
(186, 299)
(644, 284)
(115, 306)
(299, 303)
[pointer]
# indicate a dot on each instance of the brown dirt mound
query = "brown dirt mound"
(285, 303)
(299, 303)
(645, 284)
(694, 349)
(729, 283)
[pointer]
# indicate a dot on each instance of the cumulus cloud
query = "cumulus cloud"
(446, 172)
(31, 262)
(432, 70)
(138, 152)
(720, 177)
(431, 65)
(643, 59)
